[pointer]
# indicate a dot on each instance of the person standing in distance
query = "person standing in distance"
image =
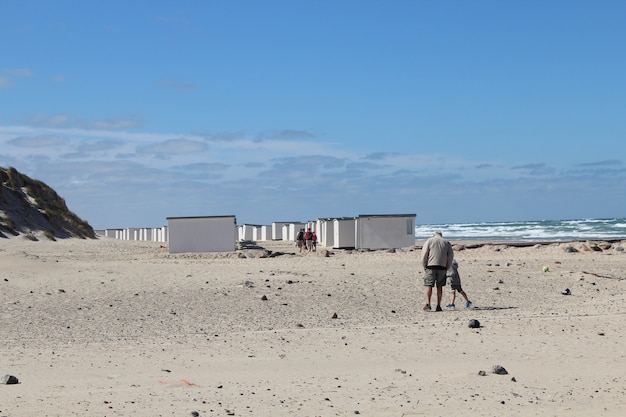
(437, 257)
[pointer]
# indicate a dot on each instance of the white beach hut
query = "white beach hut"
(202, 234)
(294, 228)
(266, 233)
(325, 232)
(344, 231)
(256, 233)
(384, 231)
(277, 230)
(113, 233)
(249, 232)
(159, 234)
(280, 230)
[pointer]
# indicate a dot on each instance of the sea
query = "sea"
(524, 231)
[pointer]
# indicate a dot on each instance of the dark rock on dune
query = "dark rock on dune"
(28, 206)
(474, 324)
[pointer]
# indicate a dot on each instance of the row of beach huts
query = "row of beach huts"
(221, 233)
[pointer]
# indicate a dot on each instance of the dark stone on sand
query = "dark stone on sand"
(335, 316)
(9, 380)
(566, 291)
(474, 324)
(264, 298)
(482, 373)
(570, 249)
(499, 370)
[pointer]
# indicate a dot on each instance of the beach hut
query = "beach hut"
(384, 231)
(325, 232)
(266, 233)
(257, 234)
(344, 232)
(294, 228)
(113, 233)
(277, 230)
(248, 232)
(159, 234)
(202, 234)
(280, 230)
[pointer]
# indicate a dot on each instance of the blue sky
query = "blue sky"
(458, 111)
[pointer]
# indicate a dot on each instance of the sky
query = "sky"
(456, 111)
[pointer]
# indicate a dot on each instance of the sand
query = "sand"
(120, 328)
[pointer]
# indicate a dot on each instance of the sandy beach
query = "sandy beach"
(123, 328)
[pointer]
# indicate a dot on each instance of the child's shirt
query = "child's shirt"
(452, 275)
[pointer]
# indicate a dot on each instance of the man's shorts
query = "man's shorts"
(435, 277)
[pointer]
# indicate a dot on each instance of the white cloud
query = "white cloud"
(19, 72)
(8, 76)
(48, 120)
(115, 124)
(5, 82)
(37, 141)
(163, 170)
(174, 147)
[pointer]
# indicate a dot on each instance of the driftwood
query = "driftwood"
(602, 276)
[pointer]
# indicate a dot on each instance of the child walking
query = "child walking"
(454, 279)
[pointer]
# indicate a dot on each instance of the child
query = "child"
(454, 279)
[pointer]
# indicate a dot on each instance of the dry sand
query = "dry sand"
(117, 328)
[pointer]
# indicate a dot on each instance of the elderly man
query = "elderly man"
(437, 257)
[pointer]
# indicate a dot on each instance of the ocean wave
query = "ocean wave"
(540, 230)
